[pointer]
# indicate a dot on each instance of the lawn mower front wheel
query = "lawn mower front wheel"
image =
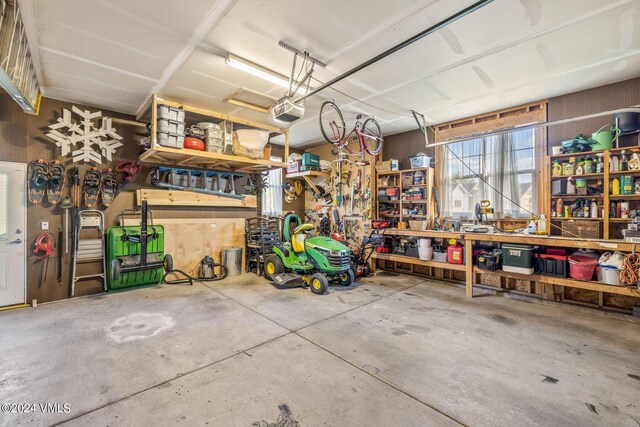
(272, 265)
(346, 278)
(318, 283)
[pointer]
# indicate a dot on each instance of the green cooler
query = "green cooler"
(517, 258)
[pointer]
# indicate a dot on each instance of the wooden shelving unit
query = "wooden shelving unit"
(604, 198)
(395, 178)
(183, 157)
(471, 271)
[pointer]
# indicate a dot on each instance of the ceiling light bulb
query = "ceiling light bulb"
(261, 72)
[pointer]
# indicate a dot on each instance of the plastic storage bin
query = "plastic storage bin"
(582, 267)
(170, 113)
(170, 126)
(167, 139)
(517, 258)
(552, 265)
(418, 162)
(440, 256)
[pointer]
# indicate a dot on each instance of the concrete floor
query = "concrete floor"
(390, 350)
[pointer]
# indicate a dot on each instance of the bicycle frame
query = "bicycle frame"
(357, 129)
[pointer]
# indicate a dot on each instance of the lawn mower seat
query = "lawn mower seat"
(299, 234)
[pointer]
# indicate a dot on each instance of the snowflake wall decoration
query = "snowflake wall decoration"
(96, 142)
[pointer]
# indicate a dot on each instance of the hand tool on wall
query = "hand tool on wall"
(59, 256)
(43, 247)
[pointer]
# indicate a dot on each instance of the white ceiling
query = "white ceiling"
(115, 53)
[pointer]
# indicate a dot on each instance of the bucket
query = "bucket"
(425, 251)
(608, 275)
(582, 267)
(232, 259)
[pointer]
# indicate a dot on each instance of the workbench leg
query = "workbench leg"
(468, 251)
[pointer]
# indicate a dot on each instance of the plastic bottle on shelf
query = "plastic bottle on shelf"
(556, 168)
(600, 163)
(615, 187)
(532, 228)
(594, 208)
(559, 207)
(542, 224)
(624, 163)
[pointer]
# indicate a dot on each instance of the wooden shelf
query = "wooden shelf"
(621, 219)
(624, 196)
(161, 197)
(559, 281)
(203, 159)
(618, 173)
(182, 157)
(408, 202)
(576, 196)
(577, 218)
(301, 175)
(584, 175)
(418, 261)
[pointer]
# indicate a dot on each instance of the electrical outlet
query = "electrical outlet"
(45, 225)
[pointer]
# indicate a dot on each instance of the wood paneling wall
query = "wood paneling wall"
(23, 139)
(603, 98)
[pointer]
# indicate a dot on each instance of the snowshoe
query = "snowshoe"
(109, 186)
(37, 180)
(55, 184)
(91, 187)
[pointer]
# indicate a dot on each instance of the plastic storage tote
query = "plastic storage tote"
(517, 258)
(552, 265)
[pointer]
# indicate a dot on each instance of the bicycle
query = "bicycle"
(332, 126)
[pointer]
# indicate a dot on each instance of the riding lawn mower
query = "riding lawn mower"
(307, 261)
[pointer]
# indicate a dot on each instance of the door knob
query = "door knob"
(16, 241)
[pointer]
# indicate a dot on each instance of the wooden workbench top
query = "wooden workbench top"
(541, 240)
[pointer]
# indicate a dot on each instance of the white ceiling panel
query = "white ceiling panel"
(115, 53)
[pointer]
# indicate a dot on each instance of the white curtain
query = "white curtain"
(501, 173)
(495, 160)
(272, 195)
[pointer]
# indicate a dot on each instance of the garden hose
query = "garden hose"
(189, 279)
(630, 270)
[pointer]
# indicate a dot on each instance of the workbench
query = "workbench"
(537, 240)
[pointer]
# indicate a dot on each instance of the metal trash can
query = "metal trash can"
(232, 259)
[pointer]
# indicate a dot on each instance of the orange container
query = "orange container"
(455, 254)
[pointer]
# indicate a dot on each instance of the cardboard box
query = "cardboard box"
(387, 166)
(293, 166)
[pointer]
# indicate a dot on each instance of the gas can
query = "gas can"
(455, 254)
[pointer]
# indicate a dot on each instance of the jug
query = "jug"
(604, 139)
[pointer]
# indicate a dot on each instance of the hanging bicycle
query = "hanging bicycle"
(367, 134)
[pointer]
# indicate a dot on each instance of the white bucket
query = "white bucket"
(425, 251)
(608, 275)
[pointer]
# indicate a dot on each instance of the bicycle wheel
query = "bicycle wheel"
(372, 135)
(331, 123)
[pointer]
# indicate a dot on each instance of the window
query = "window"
(499, 168)
(272, 196)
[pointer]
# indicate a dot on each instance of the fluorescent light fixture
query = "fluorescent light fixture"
(261, 72)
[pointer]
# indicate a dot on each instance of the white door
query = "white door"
(13, 219)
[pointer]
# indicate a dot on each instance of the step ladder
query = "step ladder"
(89, 250)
